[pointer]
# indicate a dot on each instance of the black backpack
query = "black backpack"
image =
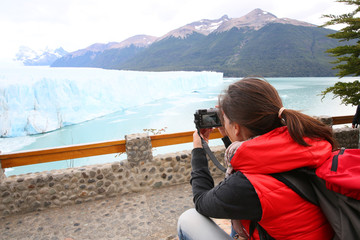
(342, 212)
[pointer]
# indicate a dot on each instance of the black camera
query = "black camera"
(207, 118)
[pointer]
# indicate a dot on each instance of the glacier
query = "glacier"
(41, 99)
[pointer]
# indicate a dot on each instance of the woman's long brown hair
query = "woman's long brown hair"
(255, 104)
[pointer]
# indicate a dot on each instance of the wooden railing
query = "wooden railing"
(87, 150)
(342, 119)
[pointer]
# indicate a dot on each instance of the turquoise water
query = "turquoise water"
(175, 113)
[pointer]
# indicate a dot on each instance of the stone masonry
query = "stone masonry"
(139, 172)
(57, 188)
(347, 137)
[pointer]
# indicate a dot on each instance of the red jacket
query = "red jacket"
(285, 214)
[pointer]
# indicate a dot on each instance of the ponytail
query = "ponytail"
(300, 125)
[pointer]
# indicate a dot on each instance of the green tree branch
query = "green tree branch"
(348, 61)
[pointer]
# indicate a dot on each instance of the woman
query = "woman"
(267, 139)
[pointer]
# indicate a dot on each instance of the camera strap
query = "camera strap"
(211, 155)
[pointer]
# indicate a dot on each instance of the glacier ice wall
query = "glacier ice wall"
(41, 99)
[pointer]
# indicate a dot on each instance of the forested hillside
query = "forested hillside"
(258, 43)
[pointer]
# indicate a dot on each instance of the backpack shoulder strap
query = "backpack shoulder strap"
(335, 160)
(263, 235)
(298, 181)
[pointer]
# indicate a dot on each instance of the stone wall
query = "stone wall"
(347, 137)
(140, 172)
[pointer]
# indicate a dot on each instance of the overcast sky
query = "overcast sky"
(76, 24)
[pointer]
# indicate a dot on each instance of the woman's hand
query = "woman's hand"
(205, 133)
(222, 131)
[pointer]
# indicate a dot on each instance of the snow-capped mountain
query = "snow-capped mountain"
(96, 48)
(204, 27)
(30, 57)
(137, 41)
(256, 19)
(96, 54)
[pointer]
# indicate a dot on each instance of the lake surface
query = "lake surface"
(174, 113)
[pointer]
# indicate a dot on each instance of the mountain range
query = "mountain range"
(258, 43)
(30, 57)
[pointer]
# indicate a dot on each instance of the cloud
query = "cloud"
(33, 10)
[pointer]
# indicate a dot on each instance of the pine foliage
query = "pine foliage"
(348, 55)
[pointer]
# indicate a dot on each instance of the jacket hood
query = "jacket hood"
(276, 152)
